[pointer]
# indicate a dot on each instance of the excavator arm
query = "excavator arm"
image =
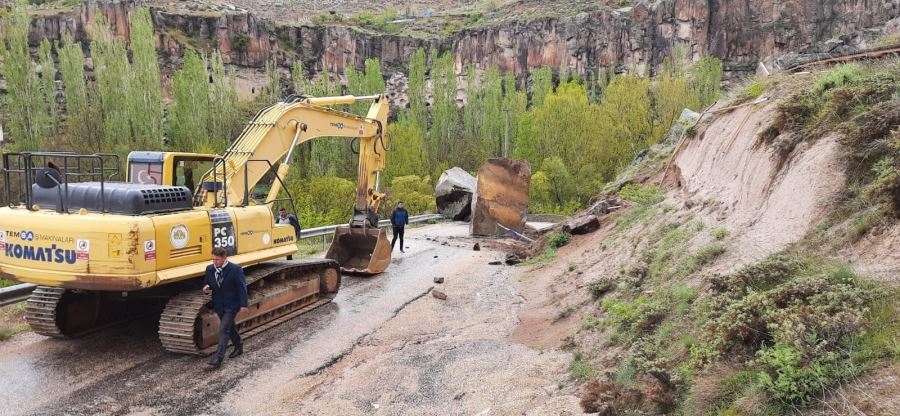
(273, 135)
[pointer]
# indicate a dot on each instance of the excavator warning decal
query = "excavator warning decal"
(83, 250)
(223, 234)
(150, 250)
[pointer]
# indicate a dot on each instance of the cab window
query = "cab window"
(189, 171)
(146, 173)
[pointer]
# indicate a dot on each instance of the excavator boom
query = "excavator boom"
(275, 133)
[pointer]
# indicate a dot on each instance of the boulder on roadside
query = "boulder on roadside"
(512, 259)
(600, 207)
(582, 225)
(453, 194)
(501, 197)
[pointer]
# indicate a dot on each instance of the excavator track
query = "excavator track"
(278, 291)
(40, 311)
(62, 313)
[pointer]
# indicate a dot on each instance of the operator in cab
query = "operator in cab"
(285, 218)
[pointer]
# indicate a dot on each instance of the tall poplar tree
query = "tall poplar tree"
(190, 116)
(146, 93)
(114, 81)
(28, 119)
(48, 83)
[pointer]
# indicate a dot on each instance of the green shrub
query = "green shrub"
(602, 287)
(837, 77)
(643, 195)
(720, 233)
(631, 318)
(8, 332)
(380, 22)
(541, 260)
(793, 377)
(16, 310)
(882, 336)
(863, 222)
(322, 200)
(638, 214)
(799, 326)
(558, 239)
(328, 18)
(6, 283)
(580, 369)
(708, 254)
(416, 193)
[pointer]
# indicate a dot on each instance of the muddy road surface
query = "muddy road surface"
(385, 345)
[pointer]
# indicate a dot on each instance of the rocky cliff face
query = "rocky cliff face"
(740, 32)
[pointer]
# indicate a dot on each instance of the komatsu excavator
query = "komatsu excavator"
(102, 251)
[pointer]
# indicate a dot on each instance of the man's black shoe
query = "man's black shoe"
(215, 361)
(238, 350)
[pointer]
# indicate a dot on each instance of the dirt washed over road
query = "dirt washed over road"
(384, 346)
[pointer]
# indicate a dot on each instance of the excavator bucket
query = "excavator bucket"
(360, 250)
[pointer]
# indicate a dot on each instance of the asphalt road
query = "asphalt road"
(124, 370)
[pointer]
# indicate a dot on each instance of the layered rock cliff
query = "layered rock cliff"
(637, 38)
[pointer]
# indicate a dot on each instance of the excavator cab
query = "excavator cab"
(168, 168)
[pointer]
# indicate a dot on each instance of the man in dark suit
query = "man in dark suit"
(399, 219)
(226, 282)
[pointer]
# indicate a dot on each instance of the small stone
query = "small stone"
(495, 263)
(439, 280)
(438, 294)
(512, 259)
(435, 256)
(476, 247)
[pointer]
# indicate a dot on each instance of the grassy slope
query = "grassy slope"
(772, 336)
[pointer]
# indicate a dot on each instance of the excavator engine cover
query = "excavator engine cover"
(360, 250)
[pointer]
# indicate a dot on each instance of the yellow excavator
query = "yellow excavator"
(103, 251)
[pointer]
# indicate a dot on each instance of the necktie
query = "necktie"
(219, 277)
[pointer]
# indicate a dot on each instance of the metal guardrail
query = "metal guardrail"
(15, 294)
(19, 293)
(329, 229)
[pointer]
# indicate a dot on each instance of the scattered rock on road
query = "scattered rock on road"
(476, 247)
(582, 225)
(438, 294)
(512, 259)
(439, 280)
(495, 263)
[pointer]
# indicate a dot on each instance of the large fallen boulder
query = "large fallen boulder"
(501, 197)
(453, 194)
(582, 225)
